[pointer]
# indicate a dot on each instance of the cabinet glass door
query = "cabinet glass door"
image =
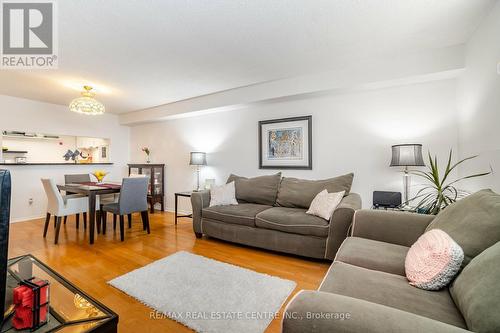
(158, 180)
(147, 173)
(134, 171)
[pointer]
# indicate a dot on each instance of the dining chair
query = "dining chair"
(106, 199)
(129, 216)
(133, 198)
(77, 178)
(61, 205)
(103, 199)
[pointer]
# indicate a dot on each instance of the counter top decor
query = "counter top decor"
(99, 175)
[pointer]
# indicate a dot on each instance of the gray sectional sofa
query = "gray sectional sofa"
(271, 214)
(365, 289)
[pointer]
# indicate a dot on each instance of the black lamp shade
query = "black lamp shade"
(407, 155)
(198, 158)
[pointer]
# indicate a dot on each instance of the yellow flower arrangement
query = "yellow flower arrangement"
(99, 174)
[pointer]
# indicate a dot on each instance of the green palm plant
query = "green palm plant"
(441, 192)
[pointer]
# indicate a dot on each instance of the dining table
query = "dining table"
(91, 190)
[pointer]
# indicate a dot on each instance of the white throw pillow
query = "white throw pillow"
(324, 204)
(223, 195)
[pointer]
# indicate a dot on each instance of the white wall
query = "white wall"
(27, 115)
(351, 132)
(479, 104)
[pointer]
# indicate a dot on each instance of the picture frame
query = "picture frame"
(286, 143)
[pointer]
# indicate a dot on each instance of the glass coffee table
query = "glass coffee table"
(71, 310)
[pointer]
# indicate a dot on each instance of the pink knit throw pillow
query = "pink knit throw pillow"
(433, 261)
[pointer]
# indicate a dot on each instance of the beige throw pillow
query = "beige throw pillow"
(223, 195)
(324, 204)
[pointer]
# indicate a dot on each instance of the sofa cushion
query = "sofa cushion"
(292, 220)
(243, 214)
(299, 193)
(260, 190)
(473, 222)
(476, 291)
(301, 245)
(391, 290)
(372, 254)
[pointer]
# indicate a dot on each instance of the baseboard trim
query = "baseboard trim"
(182, 212)
(27, 218)
(37, 217)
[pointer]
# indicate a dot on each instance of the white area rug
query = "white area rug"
(207, 295)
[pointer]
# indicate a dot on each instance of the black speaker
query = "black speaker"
(385, 199)
(4, 234)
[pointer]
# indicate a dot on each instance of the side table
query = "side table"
(397, 209)
(186, 194)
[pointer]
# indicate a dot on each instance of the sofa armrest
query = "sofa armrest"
(401, 228)
(318, 312)
(340, 223)
(199, 200)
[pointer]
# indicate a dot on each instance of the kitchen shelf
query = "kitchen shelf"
(48, 163)
(14, 152)
(23, 137)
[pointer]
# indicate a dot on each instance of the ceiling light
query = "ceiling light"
(77, 84)
(87, 104)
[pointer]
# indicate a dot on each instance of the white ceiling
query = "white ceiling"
(146, 53)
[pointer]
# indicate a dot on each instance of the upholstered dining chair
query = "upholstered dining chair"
(133, 198)
(61, 205)
(106, 199)
(77, 178)
(129, 216)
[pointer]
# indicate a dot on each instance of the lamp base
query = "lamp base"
(406, 185)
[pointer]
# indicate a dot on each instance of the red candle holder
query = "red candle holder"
(31, 300)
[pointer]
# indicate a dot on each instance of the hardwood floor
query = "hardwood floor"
(90, 266)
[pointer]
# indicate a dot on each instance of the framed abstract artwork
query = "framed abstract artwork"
(286, 143)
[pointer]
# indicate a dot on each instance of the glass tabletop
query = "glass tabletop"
(70, 309)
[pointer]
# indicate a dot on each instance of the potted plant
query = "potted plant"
(441, 192)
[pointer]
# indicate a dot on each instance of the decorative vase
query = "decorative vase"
(99, 175)
(148, 159)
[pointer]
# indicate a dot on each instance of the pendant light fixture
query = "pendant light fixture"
(87, 104)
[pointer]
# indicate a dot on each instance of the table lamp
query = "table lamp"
(198, 158)
(407, 155)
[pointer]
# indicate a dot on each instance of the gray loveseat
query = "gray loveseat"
(365, 289)
(271, 214)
